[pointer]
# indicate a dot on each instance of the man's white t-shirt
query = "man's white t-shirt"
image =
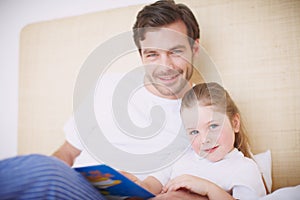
(234, 173)
(139, 106)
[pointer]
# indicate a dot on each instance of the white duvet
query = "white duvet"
(286, 193)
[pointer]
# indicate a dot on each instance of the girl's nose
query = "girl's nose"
(204, 138)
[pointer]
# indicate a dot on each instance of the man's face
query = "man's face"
(168, 56)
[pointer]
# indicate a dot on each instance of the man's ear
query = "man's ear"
(236, 123)
(196, 46)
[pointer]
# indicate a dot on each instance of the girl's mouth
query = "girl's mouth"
(210, 150)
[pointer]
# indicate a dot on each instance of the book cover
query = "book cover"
(112, 184)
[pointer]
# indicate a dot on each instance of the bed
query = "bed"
(253, 44)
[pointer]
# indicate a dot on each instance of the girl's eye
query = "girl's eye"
(213, 126)
(151, 55)
(194, 132)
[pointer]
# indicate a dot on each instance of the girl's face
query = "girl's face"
(210, 132)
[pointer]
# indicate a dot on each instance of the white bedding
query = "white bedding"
(286, 193)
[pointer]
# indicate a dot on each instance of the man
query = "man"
(167, 37)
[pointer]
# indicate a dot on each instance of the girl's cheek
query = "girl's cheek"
(196, 146)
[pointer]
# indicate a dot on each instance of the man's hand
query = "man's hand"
(131, 177)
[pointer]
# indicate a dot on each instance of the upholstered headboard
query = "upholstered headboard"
(254, 45)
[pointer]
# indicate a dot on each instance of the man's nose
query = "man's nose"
(166, 61)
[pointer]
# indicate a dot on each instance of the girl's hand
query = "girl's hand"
(198, 186)
(188, 182)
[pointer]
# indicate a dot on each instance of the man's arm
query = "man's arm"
(67, 153)
(150, 183)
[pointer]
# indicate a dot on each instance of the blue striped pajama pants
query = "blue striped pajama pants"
(42, 177)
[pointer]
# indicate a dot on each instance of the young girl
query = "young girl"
(219, 164)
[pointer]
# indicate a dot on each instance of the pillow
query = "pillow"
(264, 162)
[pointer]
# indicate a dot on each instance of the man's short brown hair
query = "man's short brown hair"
(162, 13)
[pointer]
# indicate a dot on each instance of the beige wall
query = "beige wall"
(254, 44)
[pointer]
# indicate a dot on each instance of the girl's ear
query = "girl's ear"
(236, 123)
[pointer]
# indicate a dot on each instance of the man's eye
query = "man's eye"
(213, 126)
(176, 51)
(194, 132)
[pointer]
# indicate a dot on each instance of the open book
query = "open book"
(112, 184)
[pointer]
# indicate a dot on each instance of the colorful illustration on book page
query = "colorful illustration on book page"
(101, 180)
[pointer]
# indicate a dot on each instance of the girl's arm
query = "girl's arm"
(199, 186)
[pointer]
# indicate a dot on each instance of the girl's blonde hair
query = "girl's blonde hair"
(212, 94)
